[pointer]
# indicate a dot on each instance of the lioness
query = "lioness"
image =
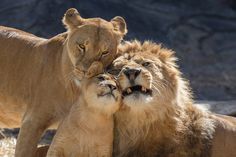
(37, 75)
(158, 117)
(88, 129)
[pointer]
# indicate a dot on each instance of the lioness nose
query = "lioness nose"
(112, 87)
(132, 73)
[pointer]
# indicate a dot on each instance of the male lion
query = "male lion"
(87, 131)
(158, 117)
(37, 75)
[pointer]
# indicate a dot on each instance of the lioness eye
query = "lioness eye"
(104, 53)
(82, 46)
(145, 64)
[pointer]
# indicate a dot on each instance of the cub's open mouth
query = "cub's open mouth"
(137, 89)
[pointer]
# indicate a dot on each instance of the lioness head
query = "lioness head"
(92, 39)
(101, 93)
(149, 79)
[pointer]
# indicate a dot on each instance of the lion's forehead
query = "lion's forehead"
(101, 32)
(132, 58)
(98, 22)
(99, 38)
(95, 79)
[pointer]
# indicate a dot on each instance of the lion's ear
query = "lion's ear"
(119, 25)
(72, 18)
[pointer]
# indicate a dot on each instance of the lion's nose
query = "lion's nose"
(132, 73)
(112, 87)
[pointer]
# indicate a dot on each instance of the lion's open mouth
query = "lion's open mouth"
(137, 89)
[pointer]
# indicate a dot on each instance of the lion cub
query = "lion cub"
(87, 131)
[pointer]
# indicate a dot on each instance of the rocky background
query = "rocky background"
(203, 32)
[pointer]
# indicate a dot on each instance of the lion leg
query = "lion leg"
(42, 151)
(55, 152)
(33, 126)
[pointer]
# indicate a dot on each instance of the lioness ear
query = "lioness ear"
(119, 25)
(72, 18)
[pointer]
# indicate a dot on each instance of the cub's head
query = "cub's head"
(101, 93)
(149, 79)
(92, 39)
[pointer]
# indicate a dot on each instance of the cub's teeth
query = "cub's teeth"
(129, 90)
(144, 89)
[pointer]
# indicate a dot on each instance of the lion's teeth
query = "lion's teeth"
(129, 90)
(144, 89)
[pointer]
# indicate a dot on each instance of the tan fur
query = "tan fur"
(224, 141)
(165, 124)
(37, 85)
(88, 129)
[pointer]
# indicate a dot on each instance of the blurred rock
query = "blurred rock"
(220, 107)
(203, 32)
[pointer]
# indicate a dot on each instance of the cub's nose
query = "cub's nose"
(112, 87)
(131, 73)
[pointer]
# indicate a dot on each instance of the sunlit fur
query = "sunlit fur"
(88, 129)
(166, 123)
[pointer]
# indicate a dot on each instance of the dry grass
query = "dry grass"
(7, 147)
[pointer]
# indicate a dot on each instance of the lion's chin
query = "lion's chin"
(137, 100)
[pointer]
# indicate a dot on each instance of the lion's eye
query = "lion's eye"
(100, 78)
(145, 64)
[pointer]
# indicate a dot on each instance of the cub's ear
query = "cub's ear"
(72, 18)
(119, 25)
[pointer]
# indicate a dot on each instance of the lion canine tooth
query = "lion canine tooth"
(144, 89)
(129, 90)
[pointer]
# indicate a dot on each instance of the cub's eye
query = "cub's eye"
(145, 64)
(100, 78)
(81, 46)
(104, 53)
